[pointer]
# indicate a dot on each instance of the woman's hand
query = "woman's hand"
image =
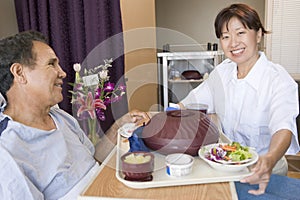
(262, 173)
(262, 170)
(140, 118)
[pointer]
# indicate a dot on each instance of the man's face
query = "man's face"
(45, 78)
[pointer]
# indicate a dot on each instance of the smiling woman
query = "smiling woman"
(41, 145)
(255, 99)
(251, 94)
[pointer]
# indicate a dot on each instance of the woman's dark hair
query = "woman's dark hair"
(247, 15)
(16, 49)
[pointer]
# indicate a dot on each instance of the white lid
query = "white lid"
(179, 159)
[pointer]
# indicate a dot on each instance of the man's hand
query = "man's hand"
(140, 118)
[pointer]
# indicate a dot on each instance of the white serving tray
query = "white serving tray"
(201, 173)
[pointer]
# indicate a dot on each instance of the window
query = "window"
(283, 44)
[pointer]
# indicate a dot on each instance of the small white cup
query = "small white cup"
(179, 164)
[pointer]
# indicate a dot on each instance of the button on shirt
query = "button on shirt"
(252, 109)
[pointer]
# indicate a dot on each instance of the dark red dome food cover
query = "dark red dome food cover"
(180, 131)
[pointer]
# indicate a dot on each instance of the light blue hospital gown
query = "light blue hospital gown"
(38, 164)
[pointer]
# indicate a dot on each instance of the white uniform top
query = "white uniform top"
(37, 164)
(252, 109)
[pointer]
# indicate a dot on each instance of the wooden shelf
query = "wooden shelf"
(186, 81)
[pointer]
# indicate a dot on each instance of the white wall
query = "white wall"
(194, 18)
(8, 19)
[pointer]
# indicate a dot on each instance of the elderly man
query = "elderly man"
(44, 152)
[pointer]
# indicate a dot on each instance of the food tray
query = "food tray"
(201, 173)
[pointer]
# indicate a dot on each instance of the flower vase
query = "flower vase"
(92, 131)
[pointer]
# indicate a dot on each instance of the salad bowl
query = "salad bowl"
(223, 165)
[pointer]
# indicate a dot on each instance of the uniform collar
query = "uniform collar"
(255, 74)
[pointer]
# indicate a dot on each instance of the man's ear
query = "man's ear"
(17, 70)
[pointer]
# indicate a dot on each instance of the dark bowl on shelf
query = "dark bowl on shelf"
(191, 74)
(138, 171)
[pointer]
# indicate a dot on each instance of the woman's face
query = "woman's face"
(240, 44)
(45, 79)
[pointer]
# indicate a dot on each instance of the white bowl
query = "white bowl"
(226, 167)
(179, 164)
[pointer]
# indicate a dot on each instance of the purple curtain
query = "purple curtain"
(80, 31)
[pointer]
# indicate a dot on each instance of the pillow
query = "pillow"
(2, 103)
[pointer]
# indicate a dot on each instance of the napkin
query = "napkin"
(279, 187)
(136, 142)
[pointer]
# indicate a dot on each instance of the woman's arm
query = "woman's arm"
(279, 144)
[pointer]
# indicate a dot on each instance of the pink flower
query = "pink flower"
(109, 87)
(100, 114)
(122, 88)
(89, 104)
(91, 100)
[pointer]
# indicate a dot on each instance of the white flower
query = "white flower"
(108, 62)
(77, 67)
(103, 74)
